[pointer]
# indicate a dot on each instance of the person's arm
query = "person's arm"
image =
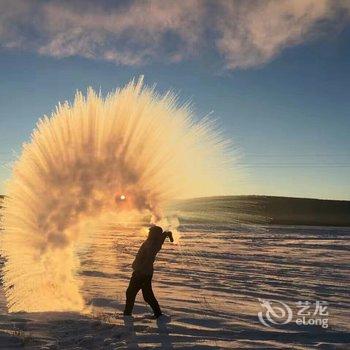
(165, 234)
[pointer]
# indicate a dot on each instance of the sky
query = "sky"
(279, 88)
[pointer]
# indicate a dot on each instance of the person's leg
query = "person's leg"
(149, 297)
(134, 287)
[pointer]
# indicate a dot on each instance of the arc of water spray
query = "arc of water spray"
(134, 145)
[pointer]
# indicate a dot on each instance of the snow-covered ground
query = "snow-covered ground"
(209, 287)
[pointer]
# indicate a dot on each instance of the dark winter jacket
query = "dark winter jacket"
(146, 255)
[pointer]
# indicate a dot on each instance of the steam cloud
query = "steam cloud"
(245, 33)
(123, 156)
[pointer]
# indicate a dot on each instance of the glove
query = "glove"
(170, 235)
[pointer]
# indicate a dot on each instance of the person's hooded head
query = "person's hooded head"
(156, 234)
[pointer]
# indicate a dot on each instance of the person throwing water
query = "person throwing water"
(141, 277)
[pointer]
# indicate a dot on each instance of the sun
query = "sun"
(119, 198)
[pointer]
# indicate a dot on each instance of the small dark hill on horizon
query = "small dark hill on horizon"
(267, 210)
